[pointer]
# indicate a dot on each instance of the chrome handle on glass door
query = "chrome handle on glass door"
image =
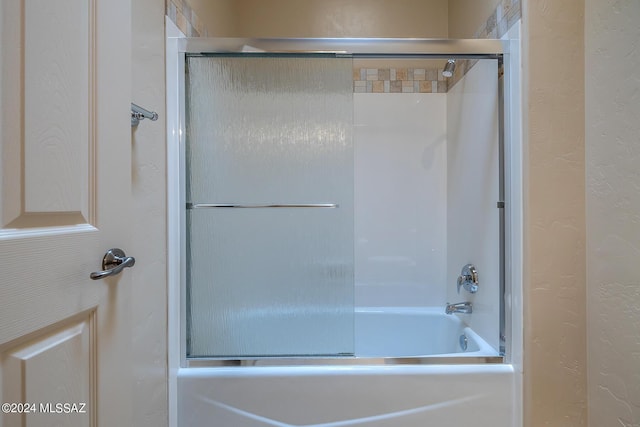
(260, 205)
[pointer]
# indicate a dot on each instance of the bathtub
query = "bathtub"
(400, 377)
(415, 332)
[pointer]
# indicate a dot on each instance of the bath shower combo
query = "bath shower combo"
(300, 300)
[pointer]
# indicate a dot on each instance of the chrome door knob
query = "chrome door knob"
(114, 261)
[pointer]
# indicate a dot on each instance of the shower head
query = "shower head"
(449, 68)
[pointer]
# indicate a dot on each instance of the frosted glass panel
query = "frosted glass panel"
(265, 130)
(269, 281)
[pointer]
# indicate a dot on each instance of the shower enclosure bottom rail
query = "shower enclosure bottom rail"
(344, 361)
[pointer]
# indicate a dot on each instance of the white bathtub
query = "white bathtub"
(414, 332)
(361, 391)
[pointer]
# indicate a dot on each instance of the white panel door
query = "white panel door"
(65, 185)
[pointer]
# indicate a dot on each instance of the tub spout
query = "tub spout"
(460, 307)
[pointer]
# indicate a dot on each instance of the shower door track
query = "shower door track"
(210, 362)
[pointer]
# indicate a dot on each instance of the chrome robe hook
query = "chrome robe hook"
(138, 113)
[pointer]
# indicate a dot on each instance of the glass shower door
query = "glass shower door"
(269, 212)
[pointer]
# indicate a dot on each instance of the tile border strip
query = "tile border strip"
(185, 18)
(398, 80)
(506, 13)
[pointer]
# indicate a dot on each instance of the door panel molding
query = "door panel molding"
(48, 137)
(55, 285)
(61, 357)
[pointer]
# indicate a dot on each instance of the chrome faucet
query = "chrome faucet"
(460, 307)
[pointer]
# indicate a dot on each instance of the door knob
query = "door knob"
(114, 261)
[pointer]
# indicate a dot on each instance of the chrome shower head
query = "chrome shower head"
(449, 68)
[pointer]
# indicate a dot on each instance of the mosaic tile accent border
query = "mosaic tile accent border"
(398, 80)
(185, 18)
(507, 13)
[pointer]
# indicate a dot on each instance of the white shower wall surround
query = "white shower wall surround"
(426, 187)
(473, 227)
(400, 191)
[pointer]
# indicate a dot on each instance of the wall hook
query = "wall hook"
(138, 113)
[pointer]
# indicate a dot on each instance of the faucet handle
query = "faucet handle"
(468, 279)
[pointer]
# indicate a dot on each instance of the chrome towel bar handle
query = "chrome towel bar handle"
(138, 113)
(258, 206)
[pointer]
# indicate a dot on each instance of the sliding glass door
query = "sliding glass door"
(269, 205)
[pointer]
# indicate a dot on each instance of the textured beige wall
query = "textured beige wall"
(613, 205)
(324, 18)
(148, 186)
(555, 265)
(466, 16)
(218, 16)
(343, 18)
